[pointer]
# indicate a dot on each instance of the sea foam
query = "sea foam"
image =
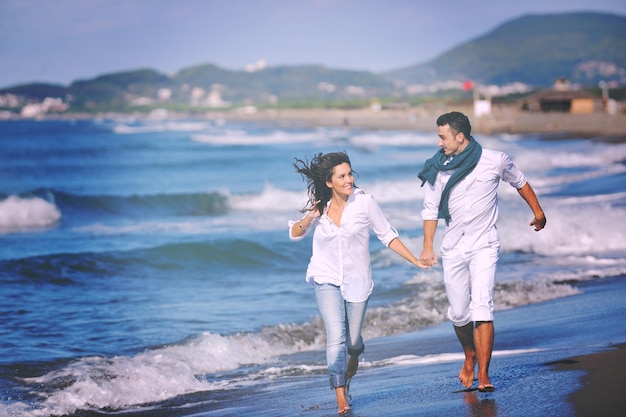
(19, 214)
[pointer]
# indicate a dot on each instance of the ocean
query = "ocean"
(145, 265)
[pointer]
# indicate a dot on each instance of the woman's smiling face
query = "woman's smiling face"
(342, 181)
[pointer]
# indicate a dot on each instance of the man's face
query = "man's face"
(449, 140)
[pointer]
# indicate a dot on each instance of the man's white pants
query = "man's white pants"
(469, 276)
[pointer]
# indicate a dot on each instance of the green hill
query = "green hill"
(536, 50)
(112, 90)
(37, 91)
(302, 82)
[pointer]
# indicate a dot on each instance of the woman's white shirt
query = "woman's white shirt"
(340, 254)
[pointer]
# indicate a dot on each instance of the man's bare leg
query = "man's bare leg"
(465, 334)
(342, 403)
(483, 341)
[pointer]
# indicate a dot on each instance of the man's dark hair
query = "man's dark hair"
(457, 122)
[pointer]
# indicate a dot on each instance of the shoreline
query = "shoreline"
(504, 119)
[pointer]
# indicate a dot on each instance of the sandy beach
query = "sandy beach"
(504, 119)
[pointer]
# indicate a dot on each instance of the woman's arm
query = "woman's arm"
(398, 247)
(299, 228)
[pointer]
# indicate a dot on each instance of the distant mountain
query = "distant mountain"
(37, 91)
(302, 82)
(114, 90)
(211, 86)
(536, 50)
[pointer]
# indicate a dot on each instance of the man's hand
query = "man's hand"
(428, 257)
(539, 223)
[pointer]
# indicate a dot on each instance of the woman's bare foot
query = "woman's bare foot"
(466, 376)
(342, 403)
(353, 366)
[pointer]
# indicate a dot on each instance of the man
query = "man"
(462, 183)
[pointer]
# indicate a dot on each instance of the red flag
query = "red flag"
(468, 85)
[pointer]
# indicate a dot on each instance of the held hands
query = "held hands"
(422, 264)
(428, 258)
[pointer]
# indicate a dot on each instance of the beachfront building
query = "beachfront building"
(562, 98)
(49, 104)
(576, 102)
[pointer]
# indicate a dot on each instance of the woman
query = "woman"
(339, 269)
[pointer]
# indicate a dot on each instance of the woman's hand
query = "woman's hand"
(314, 211)
(300, 227)
(422, 264)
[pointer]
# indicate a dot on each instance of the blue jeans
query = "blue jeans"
(343, 322)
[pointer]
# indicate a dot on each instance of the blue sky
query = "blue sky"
(61, 41)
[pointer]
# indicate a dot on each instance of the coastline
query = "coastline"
(504, 119)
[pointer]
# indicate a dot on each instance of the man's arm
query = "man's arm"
(428, 256)
(528, 194)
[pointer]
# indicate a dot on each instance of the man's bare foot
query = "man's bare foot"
(353, 366)
(342, 403)
(466, 376)
(484, 384)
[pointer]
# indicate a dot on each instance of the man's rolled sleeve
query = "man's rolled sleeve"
(431, 203)
(511, 174)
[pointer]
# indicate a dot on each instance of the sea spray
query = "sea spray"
(27, 213)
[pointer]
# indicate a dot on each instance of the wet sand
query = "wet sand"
(603, 391)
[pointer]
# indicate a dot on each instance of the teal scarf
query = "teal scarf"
(463, 163)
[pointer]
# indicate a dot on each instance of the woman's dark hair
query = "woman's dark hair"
(317, 173)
